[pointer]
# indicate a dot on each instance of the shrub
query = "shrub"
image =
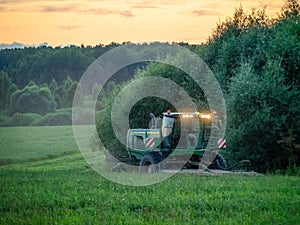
(3, 119)
(55, 119)
(32, 99)
(22, 119)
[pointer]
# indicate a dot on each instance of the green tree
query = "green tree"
(285, 46)
(240, 21)
(291, 9)
(32, 99)
(103, 121)
(53, 85)
(64, 93)
(5, 84)
(12, 88)
(260, 110)
(244, 36)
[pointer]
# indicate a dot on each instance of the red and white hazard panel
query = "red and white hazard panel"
(150, 142)
(222, 143)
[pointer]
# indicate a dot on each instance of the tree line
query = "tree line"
(39, 81)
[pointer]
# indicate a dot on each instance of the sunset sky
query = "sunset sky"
(90, 22)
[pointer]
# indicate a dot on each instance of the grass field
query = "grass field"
(36, 189)
(23, 144)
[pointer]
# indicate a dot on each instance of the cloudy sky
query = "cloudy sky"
(90, 22)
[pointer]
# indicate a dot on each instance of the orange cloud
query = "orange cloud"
(69, 27)
(103, 11)
(203, 12)
(58, 9)
(144, 6)
(126, 13)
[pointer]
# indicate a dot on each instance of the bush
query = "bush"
(60, 117)
(22, 119)
(32, 99)
(3, 119)
(55, 119)
(293, 170)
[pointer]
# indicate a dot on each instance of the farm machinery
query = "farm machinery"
(177, 140)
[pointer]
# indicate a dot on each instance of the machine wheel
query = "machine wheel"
(219, 163)
(149, 163)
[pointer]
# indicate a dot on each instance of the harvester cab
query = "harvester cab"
(183, 136)
(186, 130)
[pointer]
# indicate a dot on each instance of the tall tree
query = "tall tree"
(5, 84)
(64, 93)
(291, 9)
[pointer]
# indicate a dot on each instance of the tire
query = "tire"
(149, 163)
(219, 163)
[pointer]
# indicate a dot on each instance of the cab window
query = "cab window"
(138, 142)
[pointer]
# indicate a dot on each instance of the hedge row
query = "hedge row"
(61, 117)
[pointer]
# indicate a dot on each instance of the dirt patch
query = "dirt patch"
(213, 172)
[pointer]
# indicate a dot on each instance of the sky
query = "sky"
(92, 22)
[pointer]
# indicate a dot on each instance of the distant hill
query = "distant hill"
(15, 45)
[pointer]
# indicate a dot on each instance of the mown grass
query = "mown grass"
(65, 190)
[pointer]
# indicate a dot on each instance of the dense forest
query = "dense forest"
(256, 60)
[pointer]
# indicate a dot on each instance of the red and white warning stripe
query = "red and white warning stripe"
(150, 142)
(222, 143)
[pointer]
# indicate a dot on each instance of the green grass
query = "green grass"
(80, 196)
(65, 190)
(23, 144)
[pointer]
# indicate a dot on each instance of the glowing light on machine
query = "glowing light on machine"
(205, 116)
(187, 116)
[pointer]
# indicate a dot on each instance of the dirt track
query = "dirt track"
(214, 172)
(202, 172)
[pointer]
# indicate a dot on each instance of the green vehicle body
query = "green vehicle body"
(186, 141)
